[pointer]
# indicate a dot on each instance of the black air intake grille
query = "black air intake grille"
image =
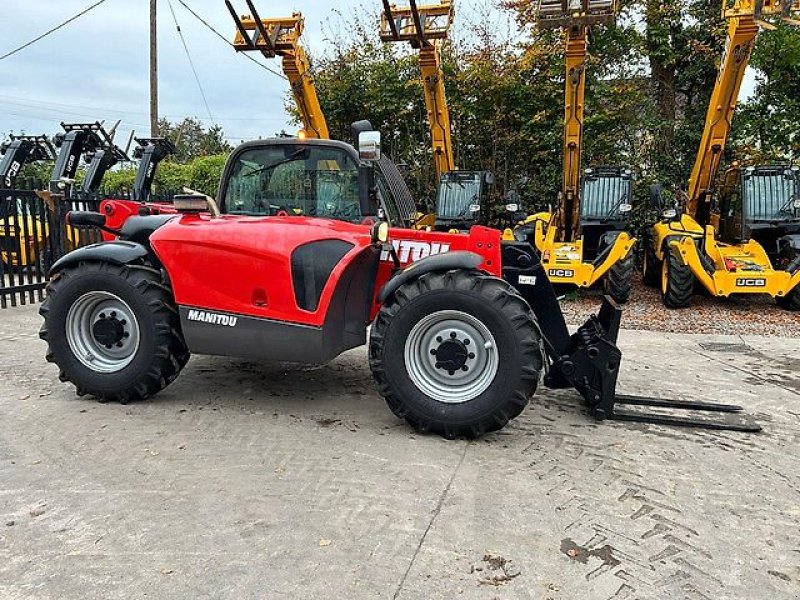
(312, 265)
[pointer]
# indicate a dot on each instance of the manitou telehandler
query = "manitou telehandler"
(740, 235)
(462, 326)
(462, 197)
(585, 241)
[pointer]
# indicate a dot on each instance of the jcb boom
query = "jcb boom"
(585, 241)
(281, 37)
(293, 261)
(717, 239)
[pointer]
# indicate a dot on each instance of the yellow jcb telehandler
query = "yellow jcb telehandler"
(585, 240)
(739, 233)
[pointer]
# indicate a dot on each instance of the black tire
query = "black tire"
(618, 281)
(161, 352)
(651, 266)
(791, 301)
(488, 300)
(677, 282)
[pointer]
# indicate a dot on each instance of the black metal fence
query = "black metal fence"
(32, 237)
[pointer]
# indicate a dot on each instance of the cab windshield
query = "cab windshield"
(771, 197)
(603, 196)
(457, 193)
(294, 180)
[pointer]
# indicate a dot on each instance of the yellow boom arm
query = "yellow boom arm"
(574, 17)
(424, 27)
(281, 37)
(744, 20)
(574, 99)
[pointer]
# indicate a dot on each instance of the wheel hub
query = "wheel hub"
(103, 332)
(451, 356)
(109, 331)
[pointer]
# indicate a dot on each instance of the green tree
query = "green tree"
(192, 139)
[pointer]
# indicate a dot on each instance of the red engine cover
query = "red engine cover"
(242, 265)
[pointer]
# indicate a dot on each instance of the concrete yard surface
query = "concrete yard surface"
(244, 480)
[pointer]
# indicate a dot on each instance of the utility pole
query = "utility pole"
(153, 70)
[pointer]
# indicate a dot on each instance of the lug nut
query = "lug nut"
(472, 355)
(113, 314)
(452, 372)
(433, 351)
(439, 339)
(452, 335)
(125, 334)
(119, 344)
(438, 365)
(123, 322)
(466, 342)
(102, 315)
(465, 368)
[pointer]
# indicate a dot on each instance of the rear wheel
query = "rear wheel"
(677, 282)
(113, 331)
(618, 282)
(456, 353)
(651, 267)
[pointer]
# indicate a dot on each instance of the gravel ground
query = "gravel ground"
(753, 315)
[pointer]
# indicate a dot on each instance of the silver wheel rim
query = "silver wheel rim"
(451, 332)
(88, 345)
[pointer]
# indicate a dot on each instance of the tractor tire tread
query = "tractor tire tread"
(680, 283)
(171, 353)
(618, 282)
(491, 290)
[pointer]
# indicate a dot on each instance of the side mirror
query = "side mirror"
(369, 145)
(657, 197)
(367, 194)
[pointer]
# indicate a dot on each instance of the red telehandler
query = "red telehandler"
(293, 261)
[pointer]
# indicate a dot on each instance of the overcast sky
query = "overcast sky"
(96, 68)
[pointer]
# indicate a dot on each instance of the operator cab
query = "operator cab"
(314, 178)
(462, 199)
(761, 203)
(606, 204)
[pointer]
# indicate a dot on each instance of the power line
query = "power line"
(224, 39)
(191, 62)
(53, 30)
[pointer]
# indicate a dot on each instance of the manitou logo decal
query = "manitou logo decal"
(751, 283)
(411, 250)
(212, 318)
(563, 273)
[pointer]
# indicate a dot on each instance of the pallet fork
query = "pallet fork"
(589, 360)
(275, 37)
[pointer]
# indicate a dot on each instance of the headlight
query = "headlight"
(380, 232)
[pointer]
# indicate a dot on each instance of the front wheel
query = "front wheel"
(677, 281)
(113, 331)
(456, 353)
(618, 282)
